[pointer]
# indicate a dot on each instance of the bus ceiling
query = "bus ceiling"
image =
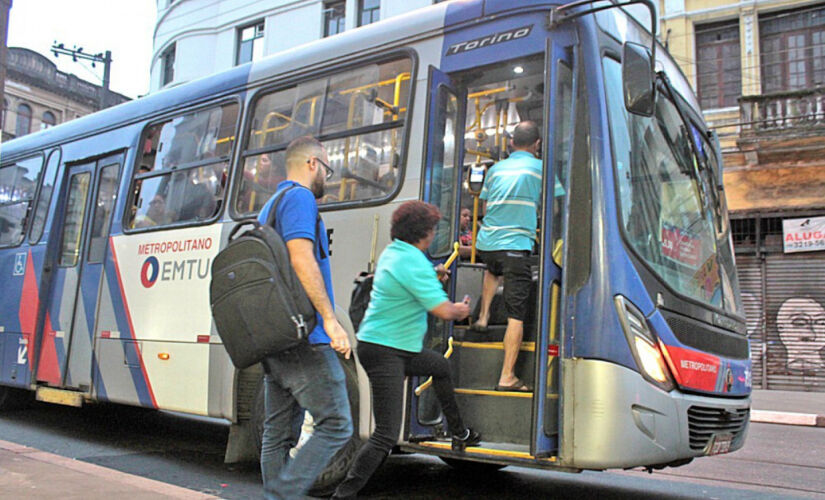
(637, 61)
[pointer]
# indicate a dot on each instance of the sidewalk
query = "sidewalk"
(33, 474)
(788, 407)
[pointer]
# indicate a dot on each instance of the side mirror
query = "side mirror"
(637, 79)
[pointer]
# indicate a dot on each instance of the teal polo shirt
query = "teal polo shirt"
(404, 288)
(512, 189)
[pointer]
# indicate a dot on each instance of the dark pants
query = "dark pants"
(308, 377)
(387, 368)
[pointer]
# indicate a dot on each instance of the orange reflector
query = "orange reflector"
(163, 355)
(203, 339)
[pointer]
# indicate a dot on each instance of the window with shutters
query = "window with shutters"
(718, 66)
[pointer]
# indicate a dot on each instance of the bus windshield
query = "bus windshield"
(670, 214)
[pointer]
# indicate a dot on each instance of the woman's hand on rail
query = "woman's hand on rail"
(442, 272)
(451, 311)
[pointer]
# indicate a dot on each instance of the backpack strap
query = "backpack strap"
(270, 217)
(270, 221)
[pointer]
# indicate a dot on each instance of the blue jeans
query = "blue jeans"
(306, 377)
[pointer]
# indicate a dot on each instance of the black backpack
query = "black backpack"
(259, 305)
(360, 298)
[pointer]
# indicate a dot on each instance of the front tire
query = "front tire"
(337, 468)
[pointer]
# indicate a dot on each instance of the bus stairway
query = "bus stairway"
(500, 416)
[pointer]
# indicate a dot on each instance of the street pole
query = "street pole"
(107, 63)
(105, 58)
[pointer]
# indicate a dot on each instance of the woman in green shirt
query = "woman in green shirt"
(391, 336)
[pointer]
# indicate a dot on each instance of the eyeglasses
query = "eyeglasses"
(329, 171)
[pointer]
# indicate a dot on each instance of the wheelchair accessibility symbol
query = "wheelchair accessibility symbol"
(19, 264)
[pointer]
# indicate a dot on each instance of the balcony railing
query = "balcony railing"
(783, 112)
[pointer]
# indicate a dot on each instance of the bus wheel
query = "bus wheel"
(12, 398)
(471, 467)
(337, 469)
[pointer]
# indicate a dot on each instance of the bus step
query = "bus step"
(477, 365)
(499, 416)
(59, 396)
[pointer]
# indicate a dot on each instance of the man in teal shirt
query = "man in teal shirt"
(512, 196)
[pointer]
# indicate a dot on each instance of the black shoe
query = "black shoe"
(469, 438)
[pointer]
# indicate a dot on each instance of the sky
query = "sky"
(123, 26)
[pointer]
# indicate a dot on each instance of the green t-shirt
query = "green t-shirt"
(404, 288)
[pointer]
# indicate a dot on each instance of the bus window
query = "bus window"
(562, 145)
(442, 184)
(358, 115)
(661, 209)
(183, 167)
(106, 196)
(18, 184)
(45, 197)
(75, 214)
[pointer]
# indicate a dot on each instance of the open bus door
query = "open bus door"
(442, 174)
(516, 426)
(559, 115)
(82, 229)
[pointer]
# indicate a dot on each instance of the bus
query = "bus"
(635, 348)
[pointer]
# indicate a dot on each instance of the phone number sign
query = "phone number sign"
(803, 235)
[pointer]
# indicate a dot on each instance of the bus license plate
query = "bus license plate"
(719, 444)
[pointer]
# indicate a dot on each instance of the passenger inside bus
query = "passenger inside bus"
(512, 199)
(499, 99)
(465, 233)
(155, 215)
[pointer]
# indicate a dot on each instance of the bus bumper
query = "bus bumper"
(614, 418)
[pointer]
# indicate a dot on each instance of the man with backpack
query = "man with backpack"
(310, 375)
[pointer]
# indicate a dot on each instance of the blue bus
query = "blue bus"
(635, 348)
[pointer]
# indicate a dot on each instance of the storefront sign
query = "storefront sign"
(804, 235)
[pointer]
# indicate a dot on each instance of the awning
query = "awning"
(774, 189)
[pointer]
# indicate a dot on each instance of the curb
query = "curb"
(104, 473)
(787, 418)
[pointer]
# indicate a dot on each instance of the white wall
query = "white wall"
(205, 31)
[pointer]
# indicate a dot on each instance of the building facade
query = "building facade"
(195, 38)
(758, 68)
(38, 96)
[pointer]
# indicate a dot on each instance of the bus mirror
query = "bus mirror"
(637, 78)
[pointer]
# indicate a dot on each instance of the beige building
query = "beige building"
(758, 68)
(38, 96)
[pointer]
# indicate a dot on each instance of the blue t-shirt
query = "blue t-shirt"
(295, 218)
(405, 287)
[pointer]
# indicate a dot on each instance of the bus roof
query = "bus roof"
(418, 24)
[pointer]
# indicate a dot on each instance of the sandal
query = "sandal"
(517, 386)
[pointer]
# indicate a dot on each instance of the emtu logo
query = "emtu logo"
(149, 272)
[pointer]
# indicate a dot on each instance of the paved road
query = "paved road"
(777, 462)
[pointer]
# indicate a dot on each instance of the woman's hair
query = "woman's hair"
(413, 220)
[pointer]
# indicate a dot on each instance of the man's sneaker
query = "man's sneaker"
(468, 438)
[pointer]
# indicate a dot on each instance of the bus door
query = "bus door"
(442, 176)
(559, 112)
(88, 200)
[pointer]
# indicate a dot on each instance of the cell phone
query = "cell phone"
(467, 299)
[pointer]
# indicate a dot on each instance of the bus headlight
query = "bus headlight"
(643, 344)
